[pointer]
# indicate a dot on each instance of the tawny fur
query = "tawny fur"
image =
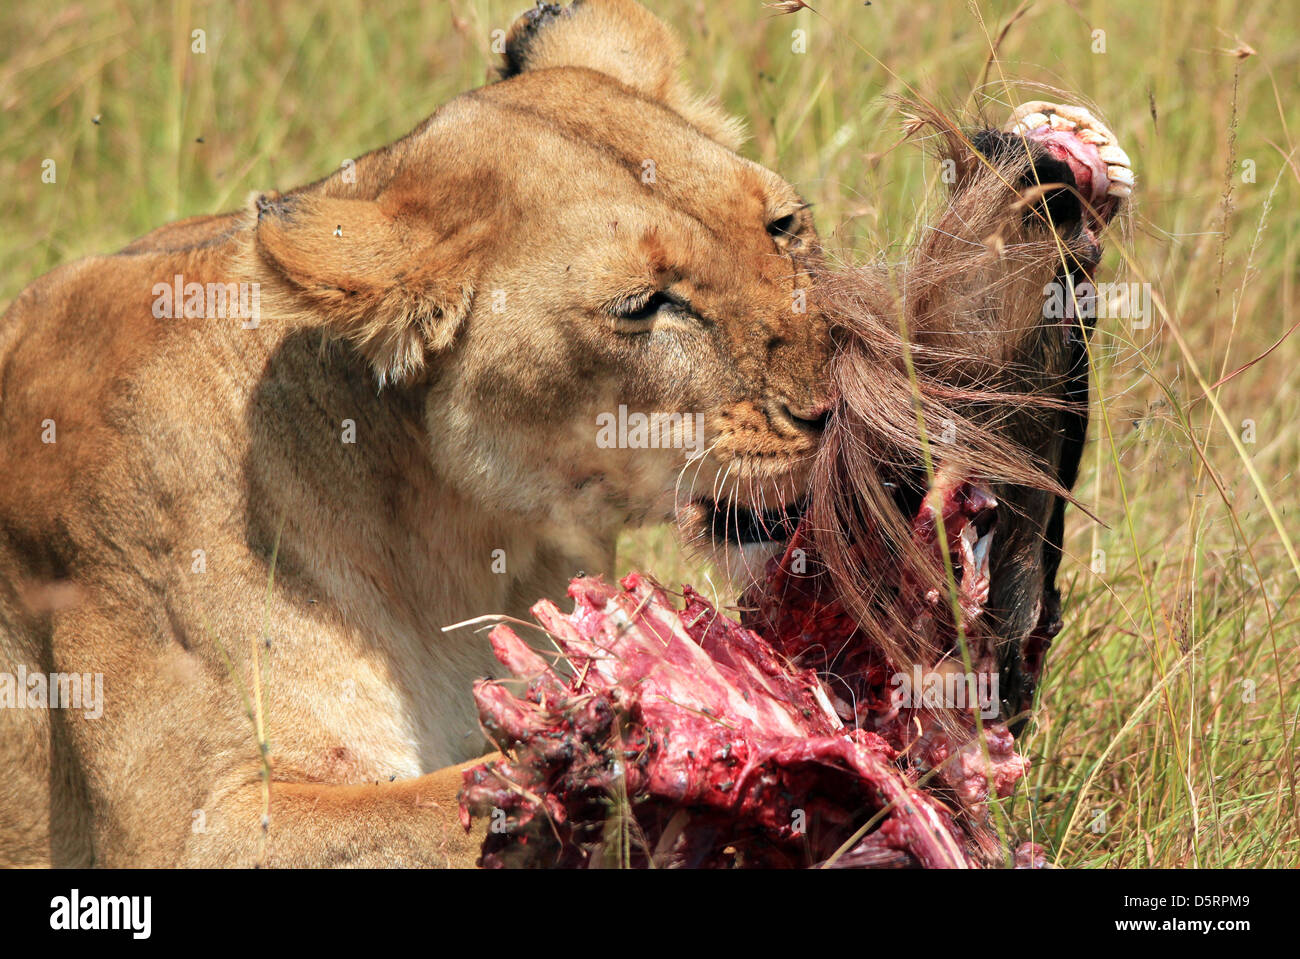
(470, 271)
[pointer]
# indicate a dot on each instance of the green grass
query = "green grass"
(1166, 732)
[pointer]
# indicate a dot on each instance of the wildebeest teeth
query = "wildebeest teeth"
(1070, 112)
(1120, 175)
(1036, 114)
(1031, 122)
(1112, 154)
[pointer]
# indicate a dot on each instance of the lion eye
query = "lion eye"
(784, 232)
(638, 315)
(647, 310)
(783, 227)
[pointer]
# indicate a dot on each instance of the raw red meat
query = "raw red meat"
(677, 736)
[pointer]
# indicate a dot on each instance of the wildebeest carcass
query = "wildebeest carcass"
(861, 707)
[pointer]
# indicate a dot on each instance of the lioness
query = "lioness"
(400, 424)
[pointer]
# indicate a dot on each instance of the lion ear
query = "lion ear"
(621, 39)
(396, 286)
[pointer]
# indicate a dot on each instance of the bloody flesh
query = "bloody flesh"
(675, 735)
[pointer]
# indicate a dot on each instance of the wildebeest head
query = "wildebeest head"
(962, 378)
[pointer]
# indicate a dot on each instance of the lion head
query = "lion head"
(602, 303)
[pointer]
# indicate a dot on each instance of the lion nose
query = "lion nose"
(811, 421)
